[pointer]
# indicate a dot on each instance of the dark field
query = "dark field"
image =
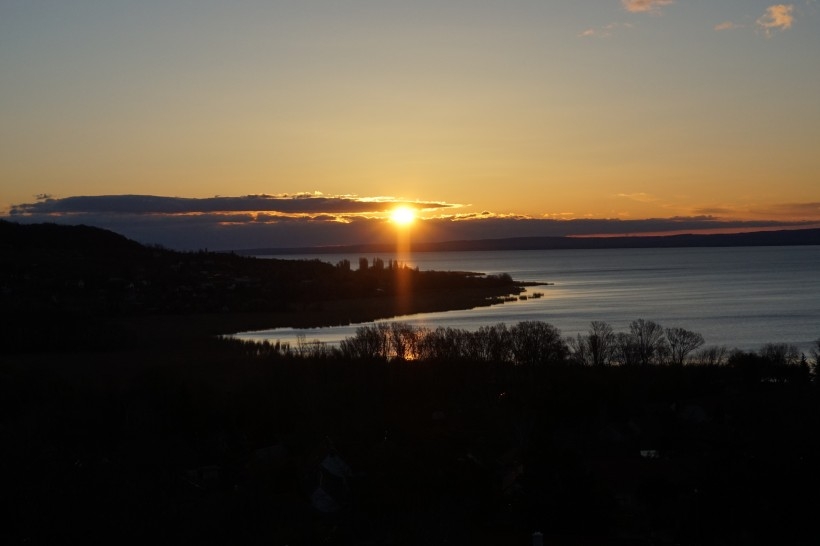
(220, 441)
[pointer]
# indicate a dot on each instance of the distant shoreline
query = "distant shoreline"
(799, 237)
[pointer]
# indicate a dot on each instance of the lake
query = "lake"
(738, 297)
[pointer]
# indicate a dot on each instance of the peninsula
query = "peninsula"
(81, 287)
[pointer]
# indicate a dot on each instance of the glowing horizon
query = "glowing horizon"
(611, 109)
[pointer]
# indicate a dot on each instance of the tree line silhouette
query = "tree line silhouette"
(535, 343)
(233, 441)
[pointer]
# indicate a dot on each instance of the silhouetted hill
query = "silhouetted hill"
(219, 440)
(760, 238)
(65, 283)
(26, 239)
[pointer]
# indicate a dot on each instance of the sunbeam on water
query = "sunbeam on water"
(737, 297)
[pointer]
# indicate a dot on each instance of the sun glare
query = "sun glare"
(402, 216)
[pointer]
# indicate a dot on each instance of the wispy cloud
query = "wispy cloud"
(643, 6)
(640, 197)
(727, 25)
(603, 32)
(777, 17)
(715, 211)
(802, 211)
(789, 212)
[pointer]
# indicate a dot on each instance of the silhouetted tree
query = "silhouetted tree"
(536, 342)
(597, 348)
(601, 342)
(313, 349)
(815, 356)
(780, 353)
(626, 349)
(805, 368)
(404, 340)
(579, 350)
(445, 344)
(649, 340)
(493, 343)
(369, 342)
(681, 343)
(712, 356)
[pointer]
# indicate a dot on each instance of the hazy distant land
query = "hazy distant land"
(758, 238)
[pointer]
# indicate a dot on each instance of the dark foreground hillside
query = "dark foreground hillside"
(78, 288)
(124, 419)
(225, 442)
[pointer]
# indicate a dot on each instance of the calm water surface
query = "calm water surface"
(738, 297)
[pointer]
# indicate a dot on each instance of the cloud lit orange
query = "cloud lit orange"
(778, 16)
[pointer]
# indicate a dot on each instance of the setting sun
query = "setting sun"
(403, 216)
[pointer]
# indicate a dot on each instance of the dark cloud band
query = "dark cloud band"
(256, 221)
(150, 204)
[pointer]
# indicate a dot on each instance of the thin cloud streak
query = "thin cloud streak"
(640, 197)
(605, 31)
(807, 211)
(727, 25)
(797, 212)
(643, 6)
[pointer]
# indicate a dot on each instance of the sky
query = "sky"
(205, 124)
